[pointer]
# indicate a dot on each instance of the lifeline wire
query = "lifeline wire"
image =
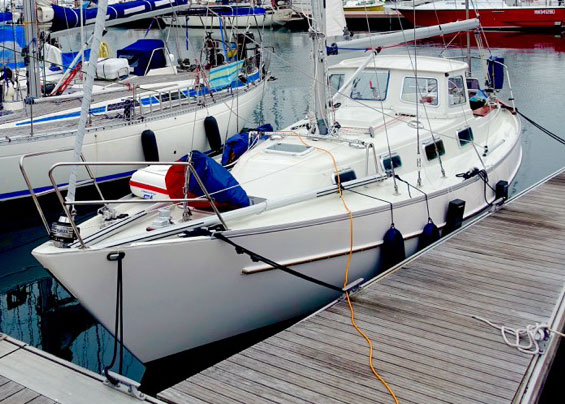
(349, 258)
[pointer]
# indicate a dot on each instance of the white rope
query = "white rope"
(525, 340)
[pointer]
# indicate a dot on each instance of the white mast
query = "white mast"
(81, 4)
(32, 68)
(318, 34)
(87, 91)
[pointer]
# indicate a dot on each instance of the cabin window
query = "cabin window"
(336, 81)
(465, 136)
(370, 85)
(426, 92)
(456, 91)
(391, 161)
(434, 149)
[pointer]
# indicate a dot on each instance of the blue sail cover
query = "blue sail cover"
(66, 17)
(240, 143)
(5, 16)
(12, 37)
(144, 55)
(223, 187)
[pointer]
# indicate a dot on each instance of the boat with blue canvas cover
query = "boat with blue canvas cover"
(156, 112)
(368, 177)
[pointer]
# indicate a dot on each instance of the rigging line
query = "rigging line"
(446, 47)
(541, 128)
(437, 19)
(374, 55)
(348, 266)
(418, 157)
(310, 76)
(377, 199)
(419, 94)
(419, 190)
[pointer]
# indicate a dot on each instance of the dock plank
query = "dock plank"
(41, 400)
(509, 268)
(9, 389)
(29, 375)
(22, 396)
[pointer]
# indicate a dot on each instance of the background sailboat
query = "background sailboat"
(169, 109)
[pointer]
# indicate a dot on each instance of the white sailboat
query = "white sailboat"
(171, 104)
(398, 144)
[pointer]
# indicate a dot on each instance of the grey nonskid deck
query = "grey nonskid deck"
(508, 268)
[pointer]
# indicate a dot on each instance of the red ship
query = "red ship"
(494, 14)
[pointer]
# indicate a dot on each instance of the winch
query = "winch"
(62, 232)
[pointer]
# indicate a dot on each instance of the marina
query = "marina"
(191, 210)
(422, 317)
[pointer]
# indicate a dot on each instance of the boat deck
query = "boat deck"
(508, 267)
(28, 375)
(115, 91)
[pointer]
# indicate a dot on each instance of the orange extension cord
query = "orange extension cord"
(350, 256)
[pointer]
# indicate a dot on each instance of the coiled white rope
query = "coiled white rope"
(525, 340)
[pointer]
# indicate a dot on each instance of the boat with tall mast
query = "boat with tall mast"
(395, 149)
(156, 112)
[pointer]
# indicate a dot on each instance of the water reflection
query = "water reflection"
(36, 309)
(505, 39)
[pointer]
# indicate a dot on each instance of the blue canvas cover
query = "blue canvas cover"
(238, 144)
(67, 17)
(139, 56)
(68, 57)
(11, 36)
(5, 16)
(496, 71)
(223, 187)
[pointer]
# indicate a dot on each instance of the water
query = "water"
(36, 309)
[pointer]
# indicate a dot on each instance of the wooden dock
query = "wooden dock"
(508, 267)
(28, 375)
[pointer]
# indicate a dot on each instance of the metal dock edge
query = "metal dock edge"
(508, 267)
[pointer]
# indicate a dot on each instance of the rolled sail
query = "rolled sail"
(66, 17)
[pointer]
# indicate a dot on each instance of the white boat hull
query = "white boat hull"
(196, 291)
(176, 135)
